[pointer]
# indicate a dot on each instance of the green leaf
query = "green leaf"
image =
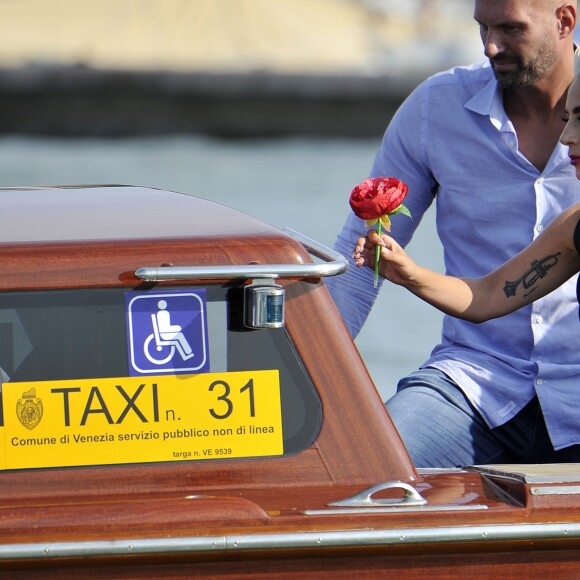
(401, 209)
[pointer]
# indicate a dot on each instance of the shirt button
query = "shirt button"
(540, 180)
(539, 382)
(539, 227)
(539, 320)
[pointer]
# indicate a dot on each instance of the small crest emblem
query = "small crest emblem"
(29, 409)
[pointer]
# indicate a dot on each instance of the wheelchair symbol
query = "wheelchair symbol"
(160, 346)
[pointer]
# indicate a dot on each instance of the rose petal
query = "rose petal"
(376, 197)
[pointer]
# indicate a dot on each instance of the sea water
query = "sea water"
(296, 182)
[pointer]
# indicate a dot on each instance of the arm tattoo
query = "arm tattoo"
(537, 270)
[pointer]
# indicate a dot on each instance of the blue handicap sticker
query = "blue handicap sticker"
(167, 332)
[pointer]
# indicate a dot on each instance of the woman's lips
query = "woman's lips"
(574, 159)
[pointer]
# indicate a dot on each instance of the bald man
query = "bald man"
(482, 141)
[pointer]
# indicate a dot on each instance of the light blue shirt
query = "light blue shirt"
(452, 142)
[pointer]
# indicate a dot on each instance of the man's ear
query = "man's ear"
(566, 15)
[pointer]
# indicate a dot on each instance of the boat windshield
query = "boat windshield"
(105, 376)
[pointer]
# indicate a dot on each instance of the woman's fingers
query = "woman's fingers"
(364, 252)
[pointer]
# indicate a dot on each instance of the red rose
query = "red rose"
(376, 197)
(374, 200)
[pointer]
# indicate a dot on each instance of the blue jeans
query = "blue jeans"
(441, 428)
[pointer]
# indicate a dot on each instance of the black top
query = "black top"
(577, 244)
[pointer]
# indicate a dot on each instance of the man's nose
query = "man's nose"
(491, 44)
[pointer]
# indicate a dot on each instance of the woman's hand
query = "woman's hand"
(395, 265)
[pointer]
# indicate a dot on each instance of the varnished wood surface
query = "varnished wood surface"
(353, 410)
(69, 214)
(483, 565)
(357, 447)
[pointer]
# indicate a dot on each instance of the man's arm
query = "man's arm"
(402, 155)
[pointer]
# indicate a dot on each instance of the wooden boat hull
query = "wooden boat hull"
(298, 510)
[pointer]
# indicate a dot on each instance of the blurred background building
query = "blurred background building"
(143, 92)
(226, 67)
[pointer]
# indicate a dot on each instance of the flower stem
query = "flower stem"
(377, 258)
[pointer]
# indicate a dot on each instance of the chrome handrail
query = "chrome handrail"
(333, 264)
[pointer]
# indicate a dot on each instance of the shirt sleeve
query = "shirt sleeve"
(402, 155)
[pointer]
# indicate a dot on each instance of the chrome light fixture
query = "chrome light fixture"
(264, 304)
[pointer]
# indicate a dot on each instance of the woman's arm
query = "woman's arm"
(544, 265)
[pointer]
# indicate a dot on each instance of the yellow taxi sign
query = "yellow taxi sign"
(141, 419)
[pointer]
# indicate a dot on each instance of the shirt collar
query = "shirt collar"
(489, 102)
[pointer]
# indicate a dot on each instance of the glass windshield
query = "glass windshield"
(100, 366)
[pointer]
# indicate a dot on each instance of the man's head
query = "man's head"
(525, 40)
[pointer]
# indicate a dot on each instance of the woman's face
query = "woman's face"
(571, 134)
